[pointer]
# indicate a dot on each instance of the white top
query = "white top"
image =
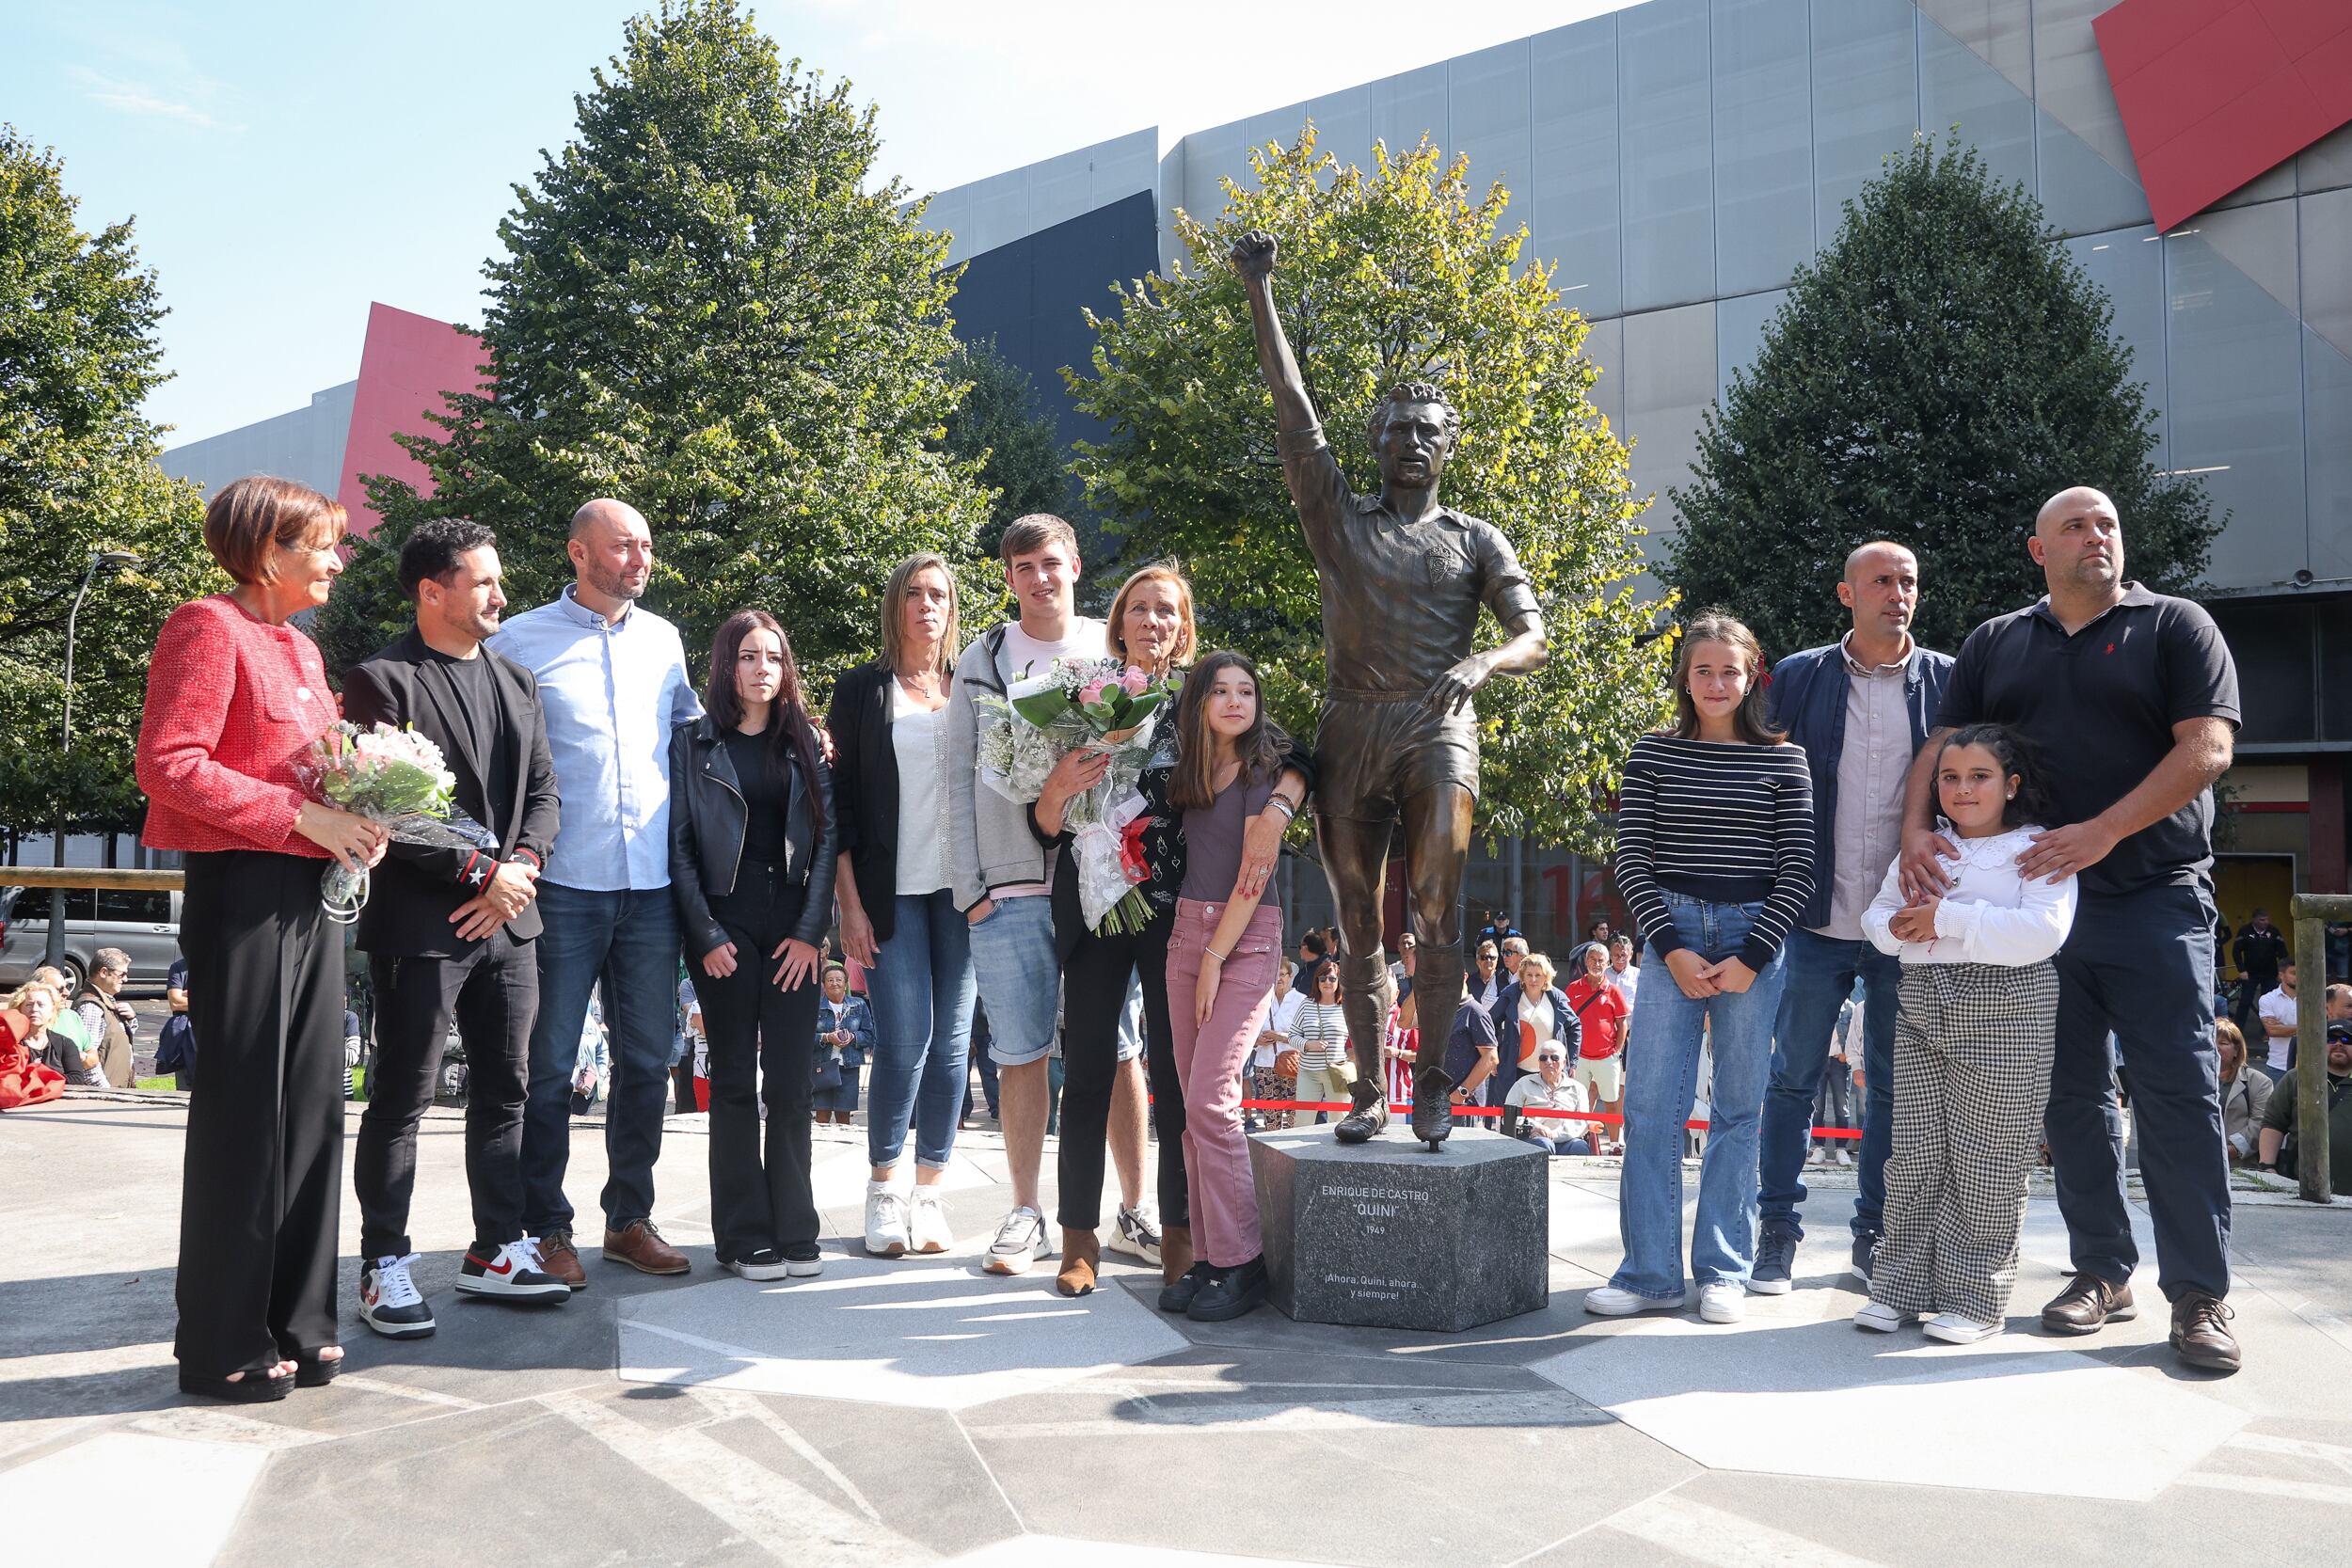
(1535, 1027)
(1320, 1034)
(1279, 1021)
(1024, 655)
(1992, 915)
(916, 734)
(2277, 1006)
(1628, 980)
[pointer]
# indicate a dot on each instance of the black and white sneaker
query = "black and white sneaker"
(1137, 1234)
(765, 1263)
(801, 1262)
(390, 1302)
(509, 1273)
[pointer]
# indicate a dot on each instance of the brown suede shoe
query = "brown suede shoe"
(2200, 1332)
(560, 1258)
(2087, 1305)
(1081, 1260)
(640, 1246)
(1175, 1252)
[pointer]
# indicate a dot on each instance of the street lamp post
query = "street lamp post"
(114, 561)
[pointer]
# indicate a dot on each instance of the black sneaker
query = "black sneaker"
(390, 1302)
(1231, 1292)
(767, 1263)
(509, 1273)
(1367, 1118)
(1866, 1256)
(801, 1261)
(1775, 1261)
(1177, 1298)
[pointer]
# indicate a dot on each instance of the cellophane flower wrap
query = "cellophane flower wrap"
(395, 778)
(1100, 704)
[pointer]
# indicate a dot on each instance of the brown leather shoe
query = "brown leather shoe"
(1175, 1252)
(2087, 1305)
(560, 1258)
(640, 1246)
(2200, 1332)
(1081, 1261)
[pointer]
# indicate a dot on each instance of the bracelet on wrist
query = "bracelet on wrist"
(1290, 813)
(1212, 953)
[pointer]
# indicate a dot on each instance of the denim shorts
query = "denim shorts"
(1020, 978)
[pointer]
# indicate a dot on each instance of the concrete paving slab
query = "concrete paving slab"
(189, 1496)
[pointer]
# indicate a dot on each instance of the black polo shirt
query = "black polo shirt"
(2099, 707)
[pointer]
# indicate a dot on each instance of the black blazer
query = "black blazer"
(706, 821)
(415, 888)
(865, 788)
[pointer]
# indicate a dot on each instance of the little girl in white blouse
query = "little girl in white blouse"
(1973, 1044)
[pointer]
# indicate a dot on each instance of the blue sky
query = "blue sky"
(287, 164)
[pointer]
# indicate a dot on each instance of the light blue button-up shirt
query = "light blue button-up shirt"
(612, 693)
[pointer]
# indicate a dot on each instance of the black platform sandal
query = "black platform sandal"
(248, 1387)
(312, 1370)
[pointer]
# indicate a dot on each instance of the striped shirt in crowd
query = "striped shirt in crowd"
(1319, 1034)
(1720, 821)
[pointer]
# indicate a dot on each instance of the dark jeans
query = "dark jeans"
(2141, 966)
(628, 943)
(262, 1189)
(1095, 981)
(494, 993)
(1821, 973)
(760, 1198)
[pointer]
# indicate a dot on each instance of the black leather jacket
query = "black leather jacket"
(707, 817)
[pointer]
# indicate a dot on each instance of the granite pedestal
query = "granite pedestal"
(1388, 1235)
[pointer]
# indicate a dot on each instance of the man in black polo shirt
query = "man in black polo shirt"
(2131, 701)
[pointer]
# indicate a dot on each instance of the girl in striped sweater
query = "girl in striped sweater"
(1715, 860)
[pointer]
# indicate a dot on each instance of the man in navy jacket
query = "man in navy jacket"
(1861, 706)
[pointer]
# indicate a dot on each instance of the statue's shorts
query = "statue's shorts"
(1376, 750)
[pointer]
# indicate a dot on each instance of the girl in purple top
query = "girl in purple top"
(1221, 959)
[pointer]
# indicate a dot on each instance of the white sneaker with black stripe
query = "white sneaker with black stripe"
(1020, 1242)
(390, 1302)
(509, 1273)
(1137, 1234)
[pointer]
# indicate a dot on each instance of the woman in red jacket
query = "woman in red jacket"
(234, 696)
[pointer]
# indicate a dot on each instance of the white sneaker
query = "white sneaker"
(390, 1302)
(1610, 1302)
(1955, 1329)
(1839, 1157)
(926, 1222)
(885, 1220)
(1137, 1234)
(1723, 1302)
(1020, 1242)
(1878, 1318)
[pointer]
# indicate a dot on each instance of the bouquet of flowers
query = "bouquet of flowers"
(395, 778)
(1096, 702)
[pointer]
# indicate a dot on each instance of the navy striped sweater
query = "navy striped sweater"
(1727, 823)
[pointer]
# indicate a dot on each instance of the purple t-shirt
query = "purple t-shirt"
(1213, 835)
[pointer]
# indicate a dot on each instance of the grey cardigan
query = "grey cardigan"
(991, 846)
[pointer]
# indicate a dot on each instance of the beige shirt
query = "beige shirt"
(1870, 774)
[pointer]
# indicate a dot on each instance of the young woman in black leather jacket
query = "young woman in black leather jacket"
(752, 846)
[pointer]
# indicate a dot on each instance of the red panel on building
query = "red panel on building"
(408, 362)
(2214, 93)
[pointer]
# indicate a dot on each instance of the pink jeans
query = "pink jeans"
(1209, 1058)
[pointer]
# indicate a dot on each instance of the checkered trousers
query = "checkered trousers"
(1973, 1044)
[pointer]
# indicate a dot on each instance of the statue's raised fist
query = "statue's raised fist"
(1254, 254)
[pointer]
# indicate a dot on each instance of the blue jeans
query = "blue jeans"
(921, 990)
(627, 942)
(1820, 974)
(1661, 1064)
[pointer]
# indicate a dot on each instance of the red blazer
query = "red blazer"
(230, 702)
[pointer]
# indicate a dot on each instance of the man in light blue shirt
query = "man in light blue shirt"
(612, 681)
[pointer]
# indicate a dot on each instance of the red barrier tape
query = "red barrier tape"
(1405, 1109)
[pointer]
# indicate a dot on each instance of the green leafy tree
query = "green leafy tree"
(705, 306)
(999, 426)
(1393, 275)
(78, 475)
(1935, 374)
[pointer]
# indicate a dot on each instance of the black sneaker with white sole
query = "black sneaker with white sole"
(509, 1273)
(390, 1302)
(1866, 1256)
(802, 1261)
(767, 1263)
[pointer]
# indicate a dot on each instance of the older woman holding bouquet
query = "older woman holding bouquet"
(235, 696)
(1150, 628)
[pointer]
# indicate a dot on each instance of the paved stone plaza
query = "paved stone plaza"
(923, 1411)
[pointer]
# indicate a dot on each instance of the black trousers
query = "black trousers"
(760, 1198)
(493, 991)
(1095, 979)
(263, 1170)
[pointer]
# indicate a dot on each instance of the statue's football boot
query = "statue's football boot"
(1369, 1117)
(1433, 1106)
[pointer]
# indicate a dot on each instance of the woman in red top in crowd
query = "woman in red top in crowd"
(22, 1079)
(234, 698)
(1600, 1010)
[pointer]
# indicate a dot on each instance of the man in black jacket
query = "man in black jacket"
(449, 930)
